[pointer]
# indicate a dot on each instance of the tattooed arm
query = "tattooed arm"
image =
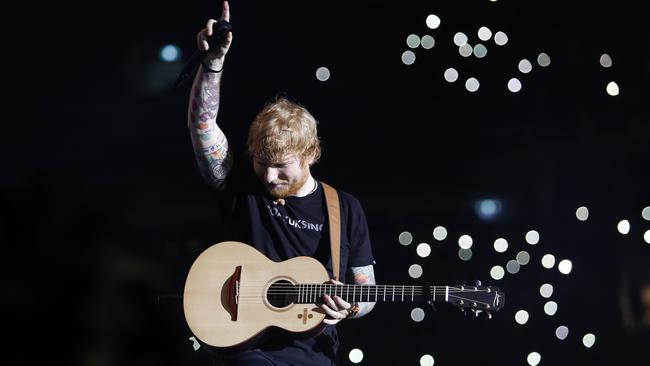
(364, 276)
(210, 143)
(338, 309)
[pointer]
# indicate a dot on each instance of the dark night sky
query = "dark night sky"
(102, 207)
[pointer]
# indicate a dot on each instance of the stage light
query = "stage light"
(525, 66)
(497, 272)
(170, 53)
(548, 261)
(484, 33)
(472, 85)
(521, 317)
(501, 245)
(423, 250)
(451, 75)
(645, 213)
(588, 340)
(465, 254)
(561, 332)
(550, 308)
(612, 88)
(427, 360)
(427, 42)
(408, 57)
(543, 59)
(546, 290)
(646, 236)
(500, 38)
(355, 355)
(514, 85)
(413, 41)
(465, 241)
(605, 60)
(433, 21)
(512, 266)
(532, 237)
(565, 266)
(534, 358)
(460, 39)
(523, 258)
(415, 271)
(439, 233)
(480, 51)
(488, 208)
(582, 213)
(623, 227)
(465, 50)
(417, 315)
(322, 73)
(405, 238)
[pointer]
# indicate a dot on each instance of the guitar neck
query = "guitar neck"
(311, 293)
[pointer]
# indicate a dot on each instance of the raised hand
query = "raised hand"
(335, 307)
(216, 56)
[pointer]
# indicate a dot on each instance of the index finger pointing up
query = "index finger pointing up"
(225, 14)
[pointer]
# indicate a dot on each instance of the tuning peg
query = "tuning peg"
(476, 283)
(477, 313)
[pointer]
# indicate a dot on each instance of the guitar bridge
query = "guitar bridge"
(233, 293)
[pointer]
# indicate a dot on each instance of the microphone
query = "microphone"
(219, 31)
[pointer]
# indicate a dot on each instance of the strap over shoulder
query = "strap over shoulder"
(334, 214)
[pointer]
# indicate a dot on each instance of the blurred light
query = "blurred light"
(561, 332)
(465, 50)
(405, 238)
(565, 266)
(413, 41)
(546, 290)
(548, 261)
(521, 317)
(512, 266)
(500, 38)
(612, 88)
(427, 42)
(646, 236)
(433, 21)
(543, 60)
(465, 254)
(487, 209)
(484, 33)
(645, 213)
(582, 213)
(451, 75)
(323, 73)
(170, 53)
(550, 308)
(439, 233)
(501, 245)
(605, 60)
(355, 355)
(523, 258)
(525, 66)
(480, 51)
(623, 227)
(532, 237)
(423, 250)
(465, 241)
(534, 358)
(408, 57)
(426, 360)
(417, 314)
(472, 85)
(514, 85)
(588, 340)
(460, 39)
(497, 272)
(415, 271)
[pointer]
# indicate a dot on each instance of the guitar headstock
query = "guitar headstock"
(477, 298)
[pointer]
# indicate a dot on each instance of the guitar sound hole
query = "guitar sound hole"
(281, 294)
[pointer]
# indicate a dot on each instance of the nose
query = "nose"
(270, 174)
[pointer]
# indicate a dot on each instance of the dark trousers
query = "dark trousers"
(251, 358)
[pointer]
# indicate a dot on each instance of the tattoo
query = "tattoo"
(364, 276)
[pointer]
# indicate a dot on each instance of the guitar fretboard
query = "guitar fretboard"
(311, 293)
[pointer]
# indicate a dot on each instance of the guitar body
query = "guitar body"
(232, 270)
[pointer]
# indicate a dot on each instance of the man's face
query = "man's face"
(282, 178)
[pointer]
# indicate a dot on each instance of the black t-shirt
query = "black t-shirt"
(300, 227)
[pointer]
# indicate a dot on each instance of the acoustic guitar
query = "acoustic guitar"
(233, 293)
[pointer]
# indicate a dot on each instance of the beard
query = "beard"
(286, 189)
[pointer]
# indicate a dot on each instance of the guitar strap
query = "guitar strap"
(334, 214)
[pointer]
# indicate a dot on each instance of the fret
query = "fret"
(376, 292)
(393, 292)
(402, 292)
(384, 293)
(412, 293)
